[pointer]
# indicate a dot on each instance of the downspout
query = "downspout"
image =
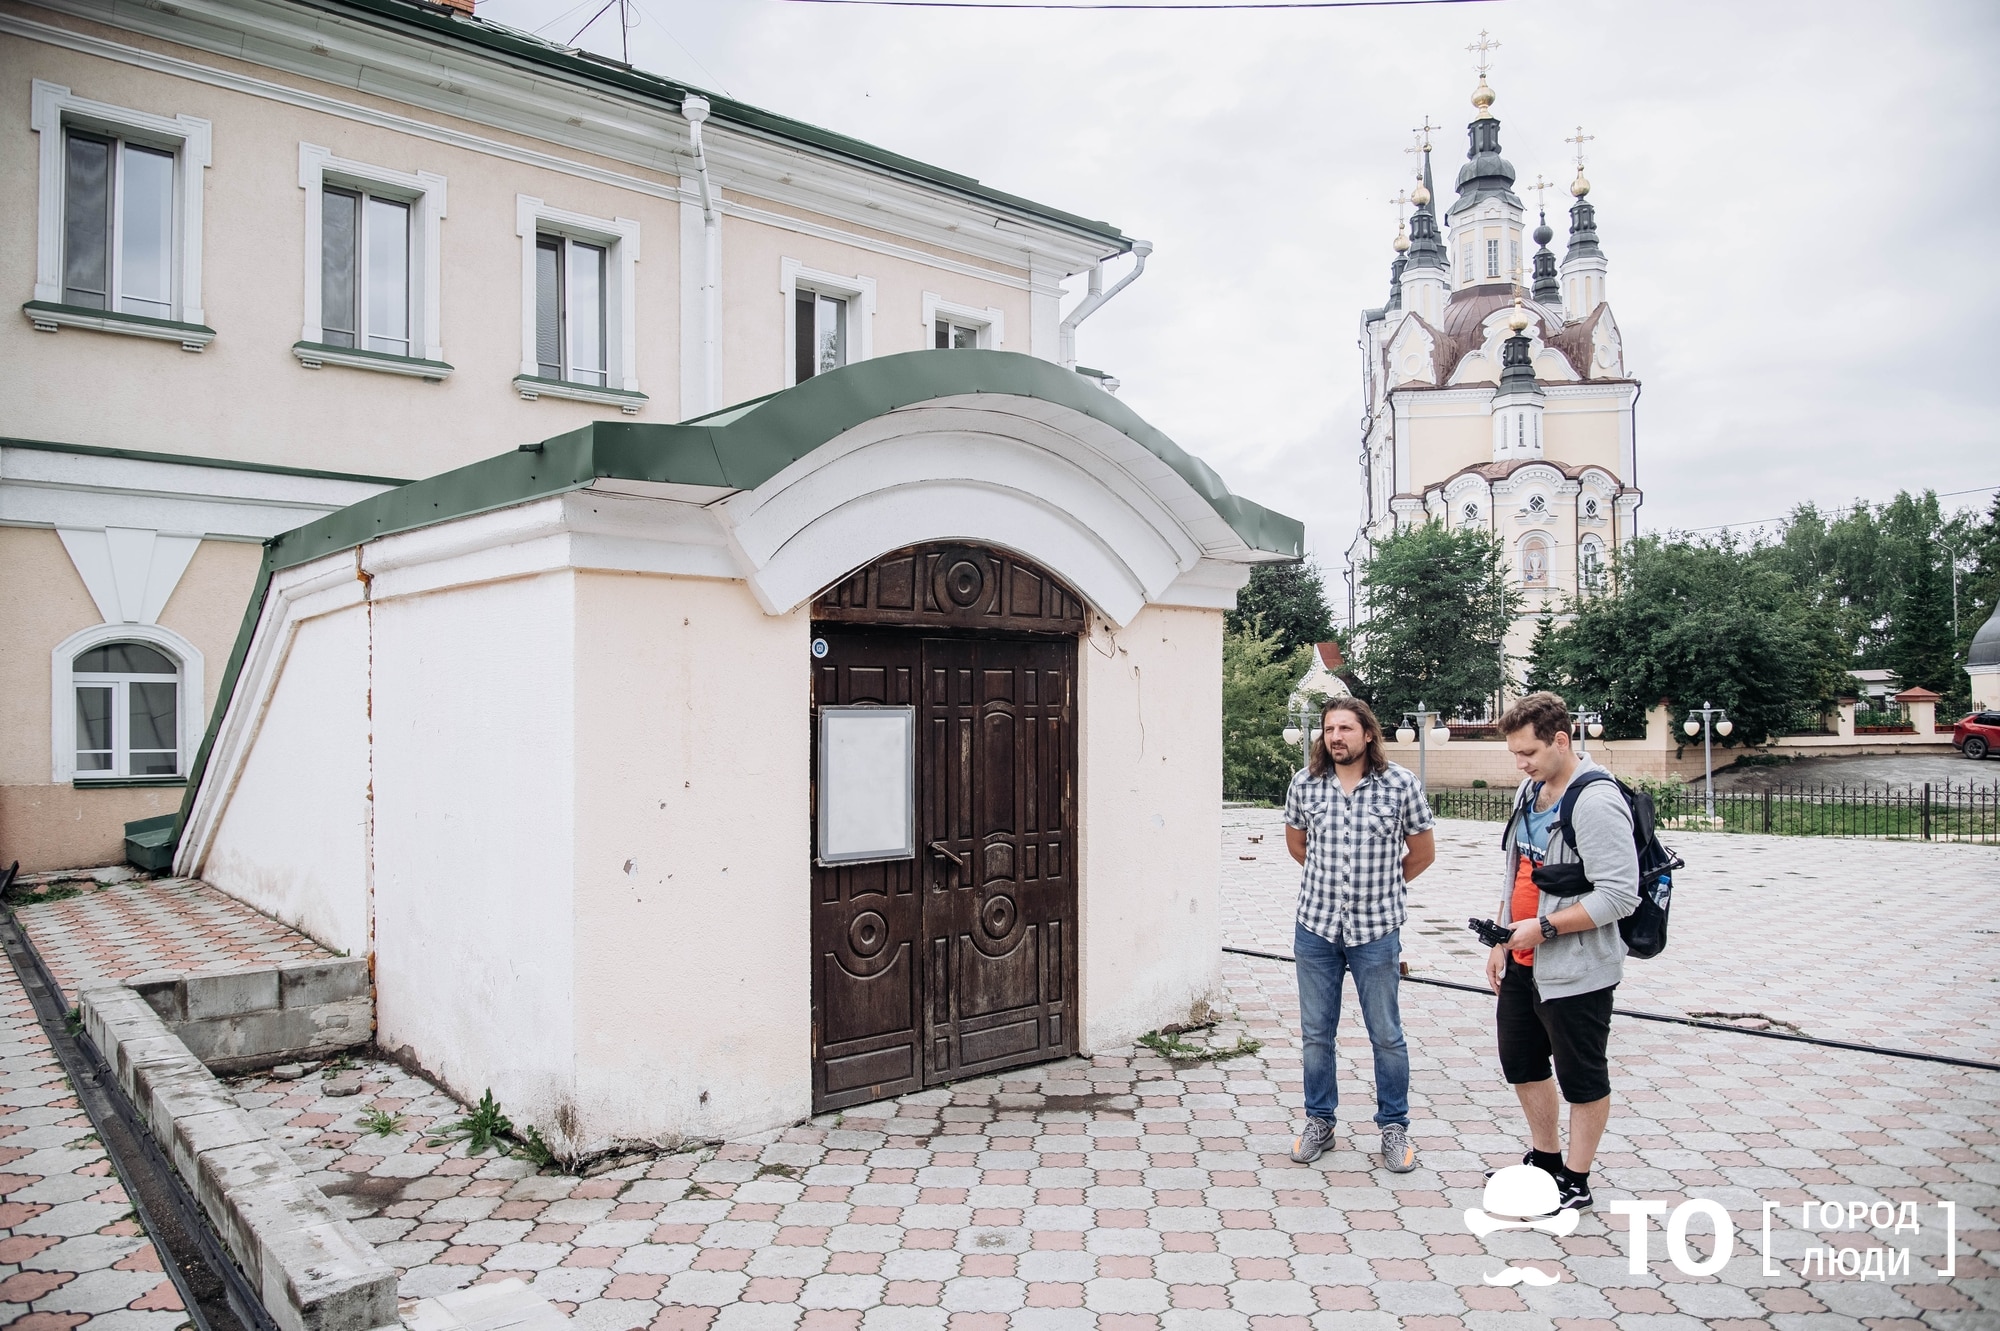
(1096, 297)
(695, 109)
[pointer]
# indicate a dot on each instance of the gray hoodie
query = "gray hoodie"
(1582, 963)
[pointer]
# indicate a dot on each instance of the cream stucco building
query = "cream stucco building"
(271, 257)
(378, 548)
(1497, 391)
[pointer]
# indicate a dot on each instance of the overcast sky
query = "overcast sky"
(1797, 201)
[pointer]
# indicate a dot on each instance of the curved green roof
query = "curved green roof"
(738, 448)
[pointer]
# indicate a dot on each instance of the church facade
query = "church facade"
(1498, 397)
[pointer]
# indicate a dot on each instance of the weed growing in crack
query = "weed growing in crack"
(697, 1193)
(777, 1171)
(381, 1123)
(1169, 1045)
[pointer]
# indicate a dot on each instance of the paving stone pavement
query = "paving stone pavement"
(111, 934)
(1891, 943)
(1123, 1193)
(71, 1255)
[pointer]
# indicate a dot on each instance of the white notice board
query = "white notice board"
(867, 784)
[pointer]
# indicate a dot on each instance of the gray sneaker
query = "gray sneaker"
(1397, 1153)
(1313, 1141)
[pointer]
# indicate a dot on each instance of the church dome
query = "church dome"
(1466, 314)
(1985, 650)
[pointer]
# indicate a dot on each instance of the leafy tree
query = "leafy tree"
(1258, 675)
(1976, 538)
(1697, 621)
(1439, 604)
(1289, 600)
(1920, 647)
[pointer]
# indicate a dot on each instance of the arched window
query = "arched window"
(126, 701)
(1534, 561)
(1590, 564)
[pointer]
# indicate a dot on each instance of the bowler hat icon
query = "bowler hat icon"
(1522, 1197)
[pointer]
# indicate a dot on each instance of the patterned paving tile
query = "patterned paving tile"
(71, 1253)
(180, 924)
(1881, 942)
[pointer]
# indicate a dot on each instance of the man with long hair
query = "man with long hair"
(1362, 829)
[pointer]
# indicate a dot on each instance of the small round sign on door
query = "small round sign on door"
(819, 649)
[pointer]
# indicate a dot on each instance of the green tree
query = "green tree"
(1290, 601)
(1258, 675)
(1695, 621)
(1976, 538)
(1439, 605)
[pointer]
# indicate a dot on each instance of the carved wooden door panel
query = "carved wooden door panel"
(996, 797)
(867, 919)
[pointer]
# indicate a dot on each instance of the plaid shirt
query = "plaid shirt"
(1352, 890)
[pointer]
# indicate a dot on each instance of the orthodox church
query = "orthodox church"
(1493, 402)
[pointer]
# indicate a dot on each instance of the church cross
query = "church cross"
(1538, 187)
(1401, 201)
(1482, 46)
(1423, 137)
(1579, 139)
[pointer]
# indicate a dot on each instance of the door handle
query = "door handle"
(938, 849)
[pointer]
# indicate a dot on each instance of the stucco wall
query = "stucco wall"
(693, 1009)
(253, 235)
(294, 840)
(1586, 432)
(474, 706)
(42, 602)
(1150, 805)
(1445, 438)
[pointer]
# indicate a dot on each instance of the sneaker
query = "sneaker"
(1397, 1153)
(1527, 1158)
(1573, 1191)
(1312, 1143)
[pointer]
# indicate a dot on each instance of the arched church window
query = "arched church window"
(127, 711)
(1534, 562)
(1590, 564)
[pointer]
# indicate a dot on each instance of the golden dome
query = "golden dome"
(1579, 187)
(1482, 98)
(1402, 240)
(1422, 196)
(1518, 320)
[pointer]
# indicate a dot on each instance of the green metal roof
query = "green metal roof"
(737, 448)
(497, 39)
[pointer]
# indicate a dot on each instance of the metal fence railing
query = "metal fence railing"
(1928, 812)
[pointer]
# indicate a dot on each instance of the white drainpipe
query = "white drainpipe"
(695, 109)
(1095, 298)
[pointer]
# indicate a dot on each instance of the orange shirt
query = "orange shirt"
(1527, 901)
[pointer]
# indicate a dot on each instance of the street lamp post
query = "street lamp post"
(1298, 711)
(1589, 726)
(1421, 733)
(1702, 721)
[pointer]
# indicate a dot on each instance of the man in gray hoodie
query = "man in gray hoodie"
(1555, 977)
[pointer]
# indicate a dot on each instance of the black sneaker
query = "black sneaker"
(1527, 1158)
(1574, 1192)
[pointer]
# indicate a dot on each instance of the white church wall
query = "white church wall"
(1150, 818)
(693, 999)
(1453, 431)
(1585, 431)
(293, 841)
(474, 722)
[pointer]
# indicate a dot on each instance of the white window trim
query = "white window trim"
(424, 191)
(857, 290)
(53, 108)
(991, 321)
(620, 238)
(192, 706)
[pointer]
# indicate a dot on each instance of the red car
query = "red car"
(1978, 734)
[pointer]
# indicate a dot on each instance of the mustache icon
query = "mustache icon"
(1522, 1275)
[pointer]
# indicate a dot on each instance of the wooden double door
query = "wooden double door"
(963, 960)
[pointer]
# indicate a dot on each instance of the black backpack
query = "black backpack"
(1645, 929)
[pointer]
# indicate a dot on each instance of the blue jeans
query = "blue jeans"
(1321, 967)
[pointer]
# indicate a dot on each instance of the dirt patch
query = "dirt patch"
(365, 1193)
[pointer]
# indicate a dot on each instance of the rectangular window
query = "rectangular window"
(1493, 258)
(364, 271)
(118, 226)
(819, 333)
(570, 336)
(93, 728)
(127, 712)
(1465, 262)
(1514, 259)
(954, 336)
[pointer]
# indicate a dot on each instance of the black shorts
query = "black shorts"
(1575, 1031)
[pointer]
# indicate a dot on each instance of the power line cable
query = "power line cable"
(1156, 6)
